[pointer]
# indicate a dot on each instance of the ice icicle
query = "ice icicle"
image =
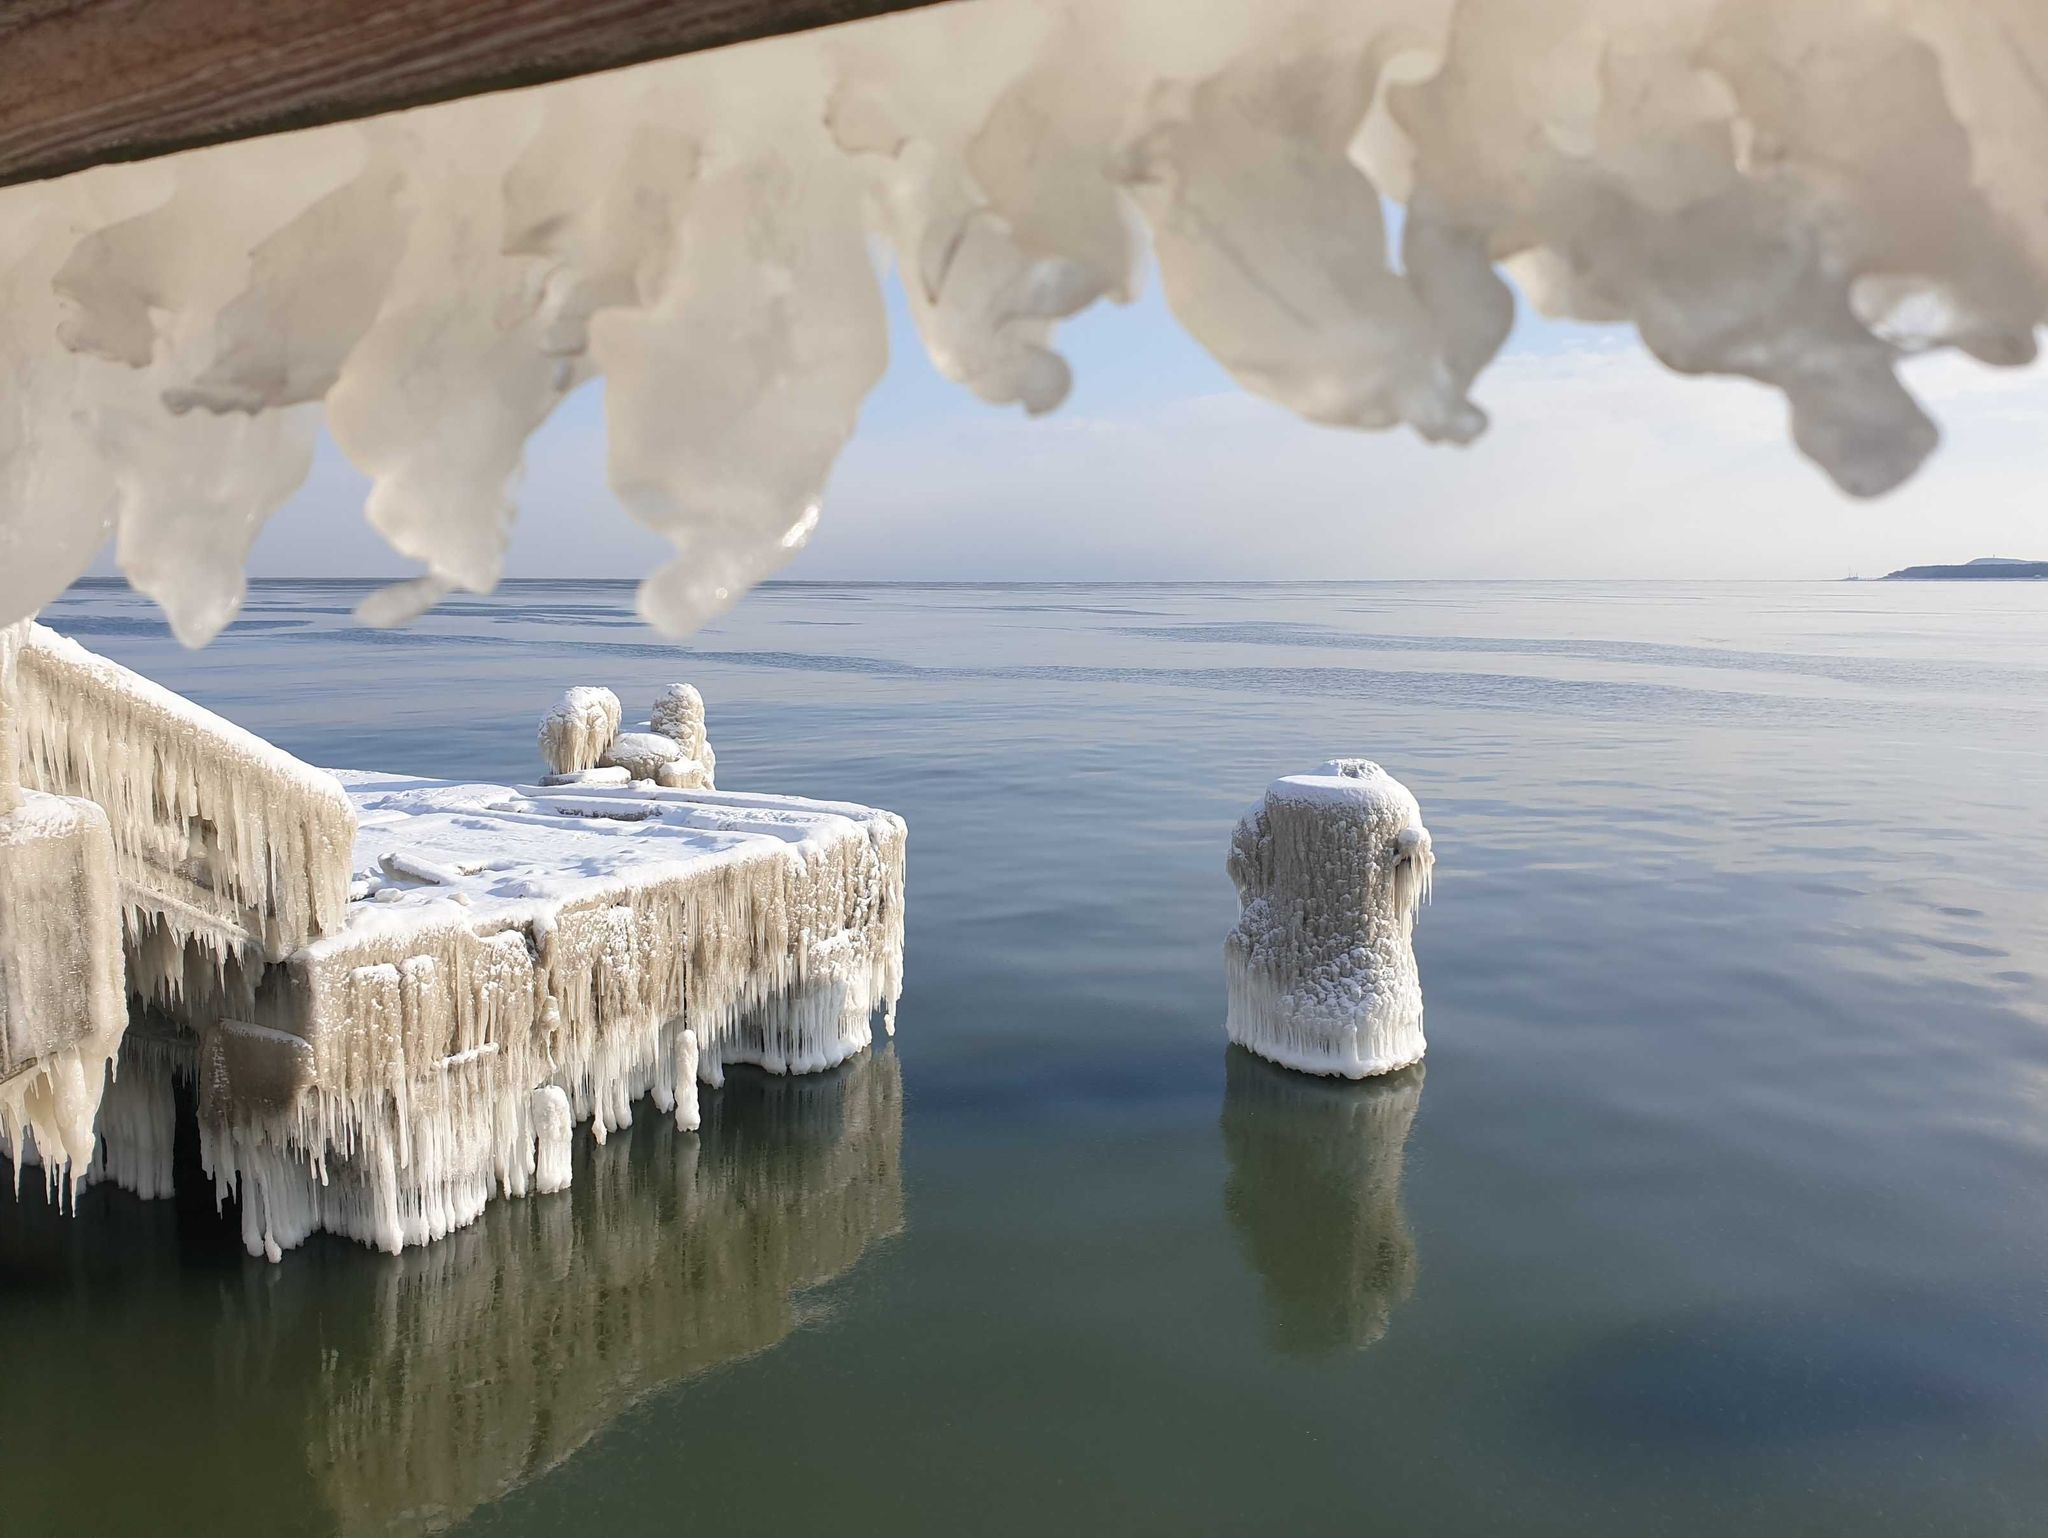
(687, 1114)
(578, 729)
(553, 1127)
(1330, 868)
(137, 1123)
(1314, 1196)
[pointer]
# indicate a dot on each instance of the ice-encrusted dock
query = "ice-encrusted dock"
(397, 997)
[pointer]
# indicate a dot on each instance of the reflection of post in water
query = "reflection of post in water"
(1315, 1197)
(494, 1354)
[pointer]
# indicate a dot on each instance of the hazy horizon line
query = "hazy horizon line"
(969, 582)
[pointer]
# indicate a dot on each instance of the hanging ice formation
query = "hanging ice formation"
(1330, 868)
(398, 996)
(1314, 1195)
(1796, 194)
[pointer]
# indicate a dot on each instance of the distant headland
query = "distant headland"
(1993, 568)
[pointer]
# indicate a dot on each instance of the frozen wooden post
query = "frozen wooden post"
(62, 1006)
(1330, 868)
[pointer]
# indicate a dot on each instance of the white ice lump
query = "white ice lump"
(1330, 868)
(581, 743)
(578, 729)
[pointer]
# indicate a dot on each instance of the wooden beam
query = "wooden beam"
(87, 81)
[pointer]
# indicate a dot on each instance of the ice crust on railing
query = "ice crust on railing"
(1795, 194)
(230, 852)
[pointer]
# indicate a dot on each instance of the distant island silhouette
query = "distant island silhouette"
(1994, 568)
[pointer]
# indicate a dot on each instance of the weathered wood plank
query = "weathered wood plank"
(87, 81)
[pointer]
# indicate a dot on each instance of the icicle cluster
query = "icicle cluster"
(62, 1007)
(138, 1119)
(1314, 1194)
(1793, 193)
(385, 1087)
(231, 853)
(494, 1355)
(1330, 868)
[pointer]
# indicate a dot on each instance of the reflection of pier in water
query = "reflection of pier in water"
(403, 1392)
(1314, 1194)
(497, 1353)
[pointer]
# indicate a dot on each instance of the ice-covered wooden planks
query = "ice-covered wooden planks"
(603, 942)
(229, 851)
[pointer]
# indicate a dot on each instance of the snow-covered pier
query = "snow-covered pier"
(397, 997)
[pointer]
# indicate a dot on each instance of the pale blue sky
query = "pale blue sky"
(1600, 464)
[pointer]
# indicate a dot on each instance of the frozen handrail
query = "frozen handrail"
(220, 838)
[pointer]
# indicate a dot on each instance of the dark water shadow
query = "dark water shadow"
(1314, 1196)
(1855, 1368)
(344, 1391)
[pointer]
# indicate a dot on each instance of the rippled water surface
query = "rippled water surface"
(1721, 1206)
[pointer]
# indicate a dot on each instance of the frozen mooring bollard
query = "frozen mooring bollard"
(581, 744)
(578, 730)
(1330, 868)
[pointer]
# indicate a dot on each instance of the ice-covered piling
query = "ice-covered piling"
(679, 716)
(1330, 868)
(577, 730)
(581, 743)
(62, 1007)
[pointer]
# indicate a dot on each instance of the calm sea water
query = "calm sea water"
(1723, 1206)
